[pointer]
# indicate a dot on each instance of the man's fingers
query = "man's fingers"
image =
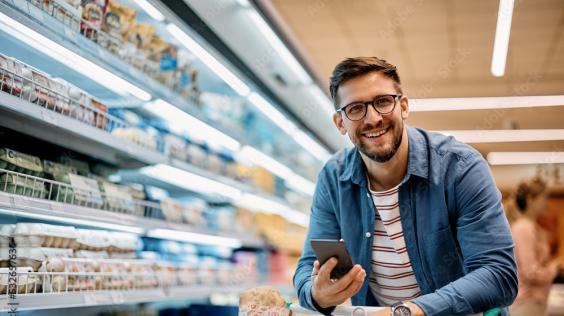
(324, 274)
(348, 278)
(353, 287)
(315, 268)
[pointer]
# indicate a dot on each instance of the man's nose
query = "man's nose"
(372, 116)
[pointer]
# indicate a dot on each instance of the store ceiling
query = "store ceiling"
(443, 49)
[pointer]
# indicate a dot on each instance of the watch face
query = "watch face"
(402, 311)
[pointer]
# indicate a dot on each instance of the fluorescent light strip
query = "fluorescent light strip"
(292, 179)
(257, 203)
(272, 113)
(484, 103)
(75, 221)
(194, 238)
(225, 74)
(190, 181)
(289, 127)
(525, 158)
(501, 42)
(150, 9)
(71, 59)
(501, 136)
(279, 47)
(181, 121)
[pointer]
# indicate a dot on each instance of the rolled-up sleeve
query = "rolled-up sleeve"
(322, 224)
(485, 243)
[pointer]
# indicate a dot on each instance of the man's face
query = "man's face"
(362, 133)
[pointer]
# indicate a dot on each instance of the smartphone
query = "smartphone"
(325, 249)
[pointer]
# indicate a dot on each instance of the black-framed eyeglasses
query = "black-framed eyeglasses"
(383, 104)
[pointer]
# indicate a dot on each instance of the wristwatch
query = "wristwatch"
(400, 309)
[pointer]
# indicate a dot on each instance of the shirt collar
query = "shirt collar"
(417, 164)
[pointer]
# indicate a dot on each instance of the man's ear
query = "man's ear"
(404, 104)
(338, 120)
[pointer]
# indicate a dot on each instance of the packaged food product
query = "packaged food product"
(172, 210)
(137, 136)
(174, 147)
(92, 16)
(60, 89)
(26, 281)
(82, 168)
(99, 114)
(6, 235)
(37, 87)
(67, 11)
(83, 276)
(141, 35)
(80, 103)
(207, 273)
(19, 162)
(29, 235)
(196, 155)
(11, 80)
(117, 198)
(86, 191)
(193, 212)
(263, 301)
(166, 274)
(16, 184)
(43, 235)
(94, 240)
(112, 26)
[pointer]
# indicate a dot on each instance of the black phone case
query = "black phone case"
(327, 248)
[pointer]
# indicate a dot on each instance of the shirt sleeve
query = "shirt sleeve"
(485, 243)
(531, 270)
(322, 224)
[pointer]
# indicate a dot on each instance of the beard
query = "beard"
(378, 156)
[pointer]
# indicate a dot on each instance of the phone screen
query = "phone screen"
(327, 248)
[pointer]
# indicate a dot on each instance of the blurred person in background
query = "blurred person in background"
(536, 270)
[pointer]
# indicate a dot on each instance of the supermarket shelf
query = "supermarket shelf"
(22, 206)
(72, 40)
(21, 115)
(94, 298)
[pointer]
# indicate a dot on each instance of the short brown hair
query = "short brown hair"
(357, 66)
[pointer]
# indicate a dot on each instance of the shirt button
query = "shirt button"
(368, 235)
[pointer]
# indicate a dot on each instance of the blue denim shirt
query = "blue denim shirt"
(457, 237)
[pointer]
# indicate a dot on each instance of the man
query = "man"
(419, 212)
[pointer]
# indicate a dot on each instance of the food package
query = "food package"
(136, 135)
(11, 80)
(172, 210)
(81, 103)
(15, 184)
(26, 282)
(143, 274)
(37, 87)
(174, 147)
(82, 168)
(140, 36)
(92, 17)
(59, 173)
(93, 240)
(82, 277)
(6, 235)
(207, 274)
(122, 242)
(263, 301)
(196, 154)
(193, 212)
(86, 191)
(61, 97)
(19, 162)
(44, 235)
(99, 114)
(118, 197)
(67, 11)
(166, 274)
(112, 26)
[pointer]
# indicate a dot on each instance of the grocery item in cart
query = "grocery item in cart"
(263, 301)
(19, 162)
(37, 87)
(11, 75)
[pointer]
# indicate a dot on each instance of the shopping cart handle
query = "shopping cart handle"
(363, 310)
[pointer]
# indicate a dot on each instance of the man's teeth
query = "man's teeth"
(380, 133)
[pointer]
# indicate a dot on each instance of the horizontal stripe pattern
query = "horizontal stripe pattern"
(392, 277)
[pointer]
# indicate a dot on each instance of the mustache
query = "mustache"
(370, 127)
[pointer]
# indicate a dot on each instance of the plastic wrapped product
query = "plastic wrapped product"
(11, 75)
(117, 197)
(59, 173)
(82, 168)
(193, 212)
(15, 184)
(19, 162)
(86, 191)
(67, 11)
(174, 147)
(112, 27)
(196, 155)
(172, 210)
(61, 97)
(262, 301)
(138, 136)
(37, 87)
(100, 114)
(92, 16)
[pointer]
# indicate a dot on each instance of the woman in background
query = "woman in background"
(536, 270)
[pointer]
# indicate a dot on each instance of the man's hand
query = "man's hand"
(327, 292)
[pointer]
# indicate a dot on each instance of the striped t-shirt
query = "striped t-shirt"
(392, 277)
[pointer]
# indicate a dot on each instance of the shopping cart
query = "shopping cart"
(362, 311)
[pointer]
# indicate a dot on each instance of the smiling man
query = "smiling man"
(419, 211)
